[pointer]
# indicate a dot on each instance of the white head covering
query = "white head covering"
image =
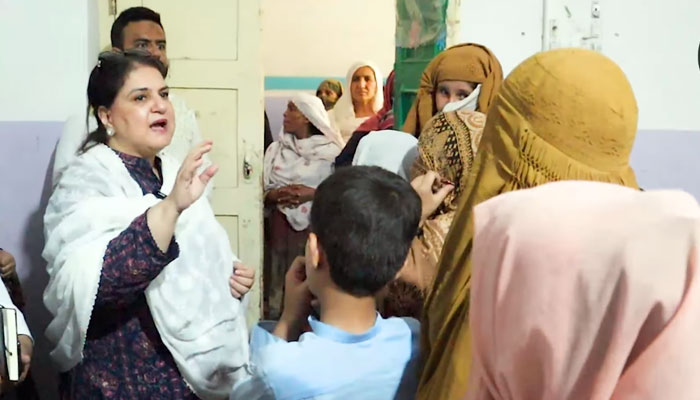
(343, 113)
(392, 150)
(313, 109)
(469, 103)
(307, 161)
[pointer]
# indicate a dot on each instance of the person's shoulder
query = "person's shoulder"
(94, 167)
(279, 364)
(270, 354)
(405, 323)
(406, 327)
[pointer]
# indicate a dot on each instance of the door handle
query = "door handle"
(247, 168)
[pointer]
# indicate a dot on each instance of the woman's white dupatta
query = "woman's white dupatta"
(308, 162)
(199, 321)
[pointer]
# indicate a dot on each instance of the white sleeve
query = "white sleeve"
(74, 132)
(6, 302)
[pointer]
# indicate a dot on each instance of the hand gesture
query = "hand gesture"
(188, 185)
(297, 297)
(431, 192)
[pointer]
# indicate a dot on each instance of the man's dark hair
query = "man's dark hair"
(133, 14)
(365, 219)
(107, 79)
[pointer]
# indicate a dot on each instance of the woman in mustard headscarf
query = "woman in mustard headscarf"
(467, 72)
(566, 114)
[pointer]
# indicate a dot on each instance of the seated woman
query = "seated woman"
(466, 72)
(138, 264)
(329, 91)
(447, 147)
(294, 166)
(383, 120)
(566, 114)
(586, 290)
(362, 101)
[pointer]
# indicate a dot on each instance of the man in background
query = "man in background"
(134, 28)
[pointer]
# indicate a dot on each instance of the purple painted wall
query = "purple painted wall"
(26, 152)
(668, 160)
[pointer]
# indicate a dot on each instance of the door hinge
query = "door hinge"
(112, 7)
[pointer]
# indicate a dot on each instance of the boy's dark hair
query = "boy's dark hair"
(133, 14)
(365, 219)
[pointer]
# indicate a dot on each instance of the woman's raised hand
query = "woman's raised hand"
(189, 186)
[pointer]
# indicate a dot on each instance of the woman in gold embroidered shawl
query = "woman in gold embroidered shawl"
(447, 146)
(566, 114)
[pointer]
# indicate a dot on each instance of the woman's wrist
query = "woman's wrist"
(170, 208)
(269, 197)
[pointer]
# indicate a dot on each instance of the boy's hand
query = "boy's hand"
(7, 264)
(430, 198)
(241, 280)
(297, 301)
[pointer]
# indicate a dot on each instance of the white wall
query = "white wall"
(324, 37)
(44, 63)
(47, 49)
(654, 41)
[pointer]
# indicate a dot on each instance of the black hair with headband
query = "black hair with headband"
(106, 80)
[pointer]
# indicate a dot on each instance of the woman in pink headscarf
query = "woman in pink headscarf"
(586, 290)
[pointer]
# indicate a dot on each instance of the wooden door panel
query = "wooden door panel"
(216, 111)
(203, 30)
(216, 66)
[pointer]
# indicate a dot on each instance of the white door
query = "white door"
(573, 23)
(216, 66)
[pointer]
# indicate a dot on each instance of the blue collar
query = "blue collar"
(338, 335)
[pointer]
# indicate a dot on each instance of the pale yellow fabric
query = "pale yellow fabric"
(566, 114)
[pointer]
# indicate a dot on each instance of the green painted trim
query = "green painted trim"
(295, 82)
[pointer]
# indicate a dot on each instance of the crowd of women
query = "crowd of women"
(525, 287)
(547, 293)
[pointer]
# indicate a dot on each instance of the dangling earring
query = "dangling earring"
(110, 131)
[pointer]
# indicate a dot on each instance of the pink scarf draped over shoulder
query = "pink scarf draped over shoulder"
(585, 290)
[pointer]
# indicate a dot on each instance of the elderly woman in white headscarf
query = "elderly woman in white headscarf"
(362, 101)
(294, 166)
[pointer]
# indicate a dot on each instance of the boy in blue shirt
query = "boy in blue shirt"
(363, 220)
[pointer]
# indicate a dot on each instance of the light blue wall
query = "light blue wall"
(296, 82)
